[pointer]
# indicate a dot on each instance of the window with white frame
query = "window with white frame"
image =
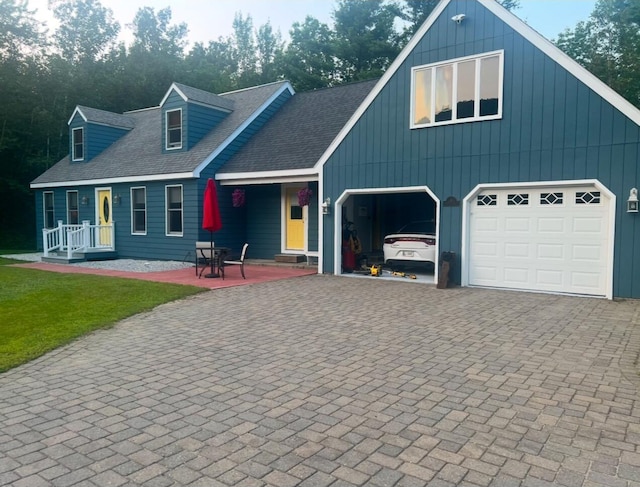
(139, 210)
(77, 136)
(174, 210)
(48, 209)
(461, 90)
(73, 214)
(174, 129)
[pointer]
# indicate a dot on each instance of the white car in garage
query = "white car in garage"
(414, 242)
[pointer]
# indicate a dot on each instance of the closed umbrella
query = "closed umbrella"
(211, 220)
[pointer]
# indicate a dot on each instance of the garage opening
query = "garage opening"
(394, 230)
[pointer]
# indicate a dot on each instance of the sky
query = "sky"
(210, 19)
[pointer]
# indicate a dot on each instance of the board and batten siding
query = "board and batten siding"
(553, 127)
(263, 220)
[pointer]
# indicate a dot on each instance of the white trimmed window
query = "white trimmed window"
(461, 90)
(173, 136)
(77, 136)
(139, 211)
(73, 215)
(174, 210)
(48, 209)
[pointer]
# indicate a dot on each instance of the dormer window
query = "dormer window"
(78, 144)
(174, 129)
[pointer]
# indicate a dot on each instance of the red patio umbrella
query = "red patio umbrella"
(211, 220)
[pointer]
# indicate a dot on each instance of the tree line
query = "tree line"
(44, 75)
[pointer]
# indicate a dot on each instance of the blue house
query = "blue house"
(132, 185)
(524, 159)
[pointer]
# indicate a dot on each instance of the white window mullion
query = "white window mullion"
(476, 103)
(454, 92)
(432, 115)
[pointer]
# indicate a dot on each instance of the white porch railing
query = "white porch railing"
(78, 238)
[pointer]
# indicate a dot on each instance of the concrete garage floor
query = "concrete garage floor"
(327, 381)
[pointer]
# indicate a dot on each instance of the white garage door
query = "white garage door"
(540, 238)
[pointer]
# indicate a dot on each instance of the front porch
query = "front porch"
(66, 244)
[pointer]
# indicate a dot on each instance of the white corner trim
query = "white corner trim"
(240, 129)
(77, 110)
(173, 87)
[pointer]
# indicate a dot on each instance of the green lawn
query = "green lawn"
(40, 310)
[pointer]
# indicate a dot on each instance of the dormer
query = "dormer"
(188, 114)
(91, 131)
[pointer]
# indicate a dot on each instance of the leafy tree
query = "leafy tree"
(366, 41)
(308, 60)
(155, 58)
(211, 67)
(608, 45)
(87, 29)
(270, 48)
(20, 32)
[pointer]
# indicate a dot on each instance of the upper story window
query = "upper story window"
(78, 144)
(174, 129)
(462, 90)
(139, 211)
(48, 208)
(174, 210)
(73, 216)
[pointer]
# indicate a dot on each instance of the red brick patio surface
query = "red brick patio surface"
(255, 274)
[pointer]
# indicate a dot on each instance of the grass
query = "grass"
(41, 311)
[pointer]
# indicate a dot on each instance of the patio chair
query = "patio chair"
(203, 256)
(239, 261)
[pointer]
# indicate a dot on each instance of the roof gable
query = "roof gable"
(200, 97)
(137, 156)
(527, 32)
(102, 117)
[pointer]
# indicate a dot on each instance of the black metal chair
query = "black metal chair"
(203, 256)
(239, 261)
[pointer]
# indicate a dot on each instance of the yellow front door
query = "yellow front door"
(295, 221)
(104, 216)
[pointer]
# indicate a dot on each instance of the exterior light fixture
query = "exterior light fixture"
(84, 201)
(326, 206)
(458, 18)
(632, 202)
(117, 199)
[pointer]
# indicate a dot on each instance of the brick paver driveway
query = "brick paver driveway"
(319, 381)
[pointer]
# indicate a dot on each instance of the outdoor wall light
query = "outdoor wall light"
(117, 199)
(458, 18)
(326, 206)
(632, 202)
(84, 201)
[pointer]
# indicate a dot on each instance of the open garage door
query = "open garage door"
(556, 238)
(374, 213)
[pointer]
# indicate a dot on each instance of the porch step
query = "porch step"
(61, 258)
(290, 258)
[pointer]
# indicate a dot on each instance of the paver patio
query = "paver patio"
(328, 381)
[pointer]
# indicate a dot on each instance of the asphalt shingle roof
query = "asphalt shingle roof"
(301, 131)
(139, 152)
(204, 97)
(94, 115)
